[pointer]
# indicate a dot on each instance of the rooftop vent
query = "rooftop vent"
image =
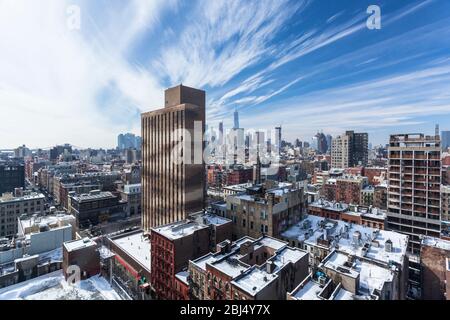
(388, 245)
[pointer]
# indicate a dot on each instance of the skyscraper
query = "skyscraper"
(278, 139)
(236, 120)
(414, 186)
(340, 157)
(173, 188)
(349, 150)
(358, 148)
(445, 136)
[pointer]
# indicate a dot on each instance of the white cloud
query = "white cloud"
(51, 76)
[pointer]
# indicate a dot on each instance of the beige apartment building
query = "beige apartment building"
(414, 197)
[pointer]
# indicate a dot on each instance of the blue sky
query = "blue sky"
(307, 65)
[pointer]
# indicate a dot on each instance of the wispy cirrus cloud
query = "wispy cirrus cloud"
(224, 39)
(307, 65)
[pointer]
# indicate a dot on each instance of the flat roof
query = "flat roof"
(183, 276)
(341, 234)
(93, 196)
(371, 276)
(48, 220)
(79, 244)
(179, 229)
(8, 197)
(436, 242)
(212, 219)
(308, 290)
(137, 246)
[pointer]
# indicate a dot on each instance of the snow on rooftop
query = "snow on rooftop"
(179, 229)
(286, 256)
(254, 280)
(341, 233)
(53, 286)
(271, 242)
(137, 246)
(308, 290)
(48, 220)
(343, 294)
(183, 276)
(79, 244)
(436, 242)
(231, 267)
(371, 276)
(214, 219)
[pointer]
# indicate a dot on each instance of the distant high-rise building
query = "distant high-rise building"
(56, 151)
(128, 141)
(220, 132)
(349, 150)
(22, 152)
(358, 148)
(321, 141)
(329, 141)
(414, 178)
(172, 189)
(445, 136)
(236, 120)
(340, 152)
(12, 175)
(278, 139)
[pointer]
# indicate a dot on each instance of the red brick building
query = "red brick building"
(348, 189)
(434, 255)
(354, 171)
(172, 246)
(83, 254)
(375, 174)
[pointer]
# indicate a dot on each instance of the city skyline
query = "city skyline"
(300, 64)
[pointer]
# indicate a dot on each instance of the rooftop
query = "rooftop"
(329, 205)
(436, 242)
(93, 195)
(53, 286)
(371, 276)
(52, 221)
(257, 278)
(350, 238)
(183, 276)
(211, 219)
(179, 229)
(135, 245)
(8, 197)
(79, 244)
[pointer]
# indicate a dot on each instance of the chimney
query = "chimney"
(270, 267)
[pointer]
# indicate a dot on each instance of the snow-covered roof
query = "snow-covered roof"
(436, 242)
(231, 267)
(53, 286)
(270, 242)
(371, 276)
(307, 290)
(50, 220)
(213, 219)
(137, 246)
(8, 197)
(256, 278)
(183, 276)
(179, 229)
(79, 244)
(342, 235)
